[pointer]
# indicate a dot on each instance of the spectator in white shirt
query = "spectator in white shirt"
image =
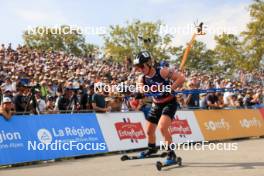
(41, 105)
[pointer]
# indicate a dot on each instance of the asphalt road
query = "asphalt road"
(247, 160)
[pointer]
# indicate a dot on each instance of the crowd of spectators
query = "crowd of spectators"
(40, 82)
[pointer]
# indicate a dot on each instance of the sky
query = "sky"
(95, 16)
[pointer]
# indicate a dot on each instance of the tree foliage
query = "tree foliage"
(254, 35)
(231, 52)
(63, 38)
(244, 51)
(125, 41)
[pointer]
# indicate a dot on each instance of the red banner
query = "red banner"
(129, 130)
(180, 127)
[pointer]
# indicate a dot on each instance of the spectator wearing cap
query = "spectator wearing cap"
(8, 93)
(6, 107)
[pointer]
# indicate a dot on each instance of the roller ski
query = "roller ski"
(151, 153)
(170, 161)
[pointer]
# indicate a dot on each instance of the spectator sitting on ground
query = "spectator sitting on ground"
(6, 107)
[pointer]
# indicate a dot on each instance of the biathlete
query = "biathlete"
(164, 104)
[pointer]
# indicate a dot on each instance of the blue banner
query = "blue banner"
(44, 137)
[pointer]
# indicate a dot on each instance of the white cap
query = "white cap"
(7, 100)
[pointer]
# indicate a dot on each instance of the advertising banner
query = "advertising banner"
(126, 131)
(229, 124)
(185, 128)
(43, 137)
(123, 131)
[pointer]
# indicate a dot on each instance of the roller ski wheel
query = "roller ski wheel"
(142, 156)
(124, 158)
(167, 163)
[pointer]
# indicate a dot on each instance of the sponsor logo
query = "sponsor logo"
(250, 123)
(180, 127)
(215, 125)
(128, 130)
(73, 132)
(44, 136)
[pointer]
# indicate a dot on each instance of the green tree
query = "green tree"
(229, 53)
(254, 35)
(63, 38)
(124, 41)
